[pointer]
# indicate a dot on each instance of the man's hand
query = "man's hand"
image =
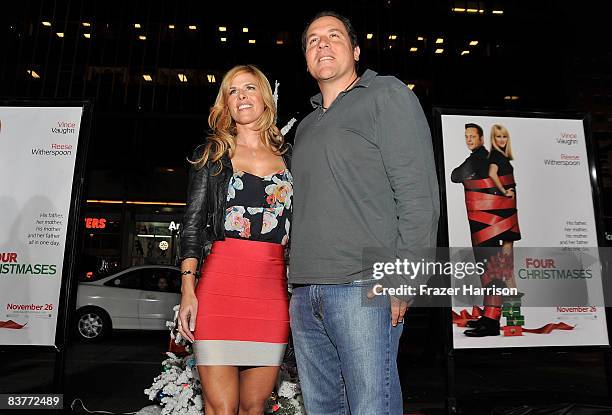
(398, 308)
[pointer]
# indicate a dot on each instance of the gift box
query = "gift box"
(513, 330)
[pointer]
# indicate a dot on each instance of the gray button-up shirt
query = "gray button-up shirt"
(364, 177)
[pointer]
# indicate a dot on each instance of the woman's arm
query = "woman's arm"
(493, 169)
(188, 271)
(189, 302)
(194, 218)
(192, 244)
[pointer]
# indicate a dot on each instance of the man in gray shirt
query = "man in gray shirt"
(364, 176)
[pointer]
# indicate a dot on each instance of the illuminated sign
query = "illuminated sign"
(95, 223)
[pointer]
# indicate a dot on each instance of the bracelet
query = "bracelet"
(189, 272)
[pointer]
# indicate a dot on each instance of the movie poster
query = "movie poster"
(522, 186)
(37, 162)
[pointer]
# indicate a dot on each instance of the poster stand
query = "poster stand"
(452, 355)
(67, 295)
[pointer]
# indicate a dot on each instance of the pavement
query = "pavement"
(111, 376)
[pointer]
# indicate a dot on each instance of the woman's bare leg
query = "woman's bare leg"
(256, 385)
(220, 389)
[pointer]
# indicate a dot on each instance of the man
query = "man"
(476, 166)
(364, 176)
(473, 173)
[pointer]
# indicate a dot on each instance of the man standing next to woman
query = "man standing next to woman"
(364, 178)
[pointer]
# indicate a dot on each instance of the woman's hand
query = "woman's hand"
(509, 193)
(187, 316)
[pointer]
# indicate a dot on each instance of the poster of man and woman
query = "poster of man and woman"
(521, 187)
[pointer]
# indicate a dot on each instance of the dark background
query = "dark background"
(543, 55)
(547, 54)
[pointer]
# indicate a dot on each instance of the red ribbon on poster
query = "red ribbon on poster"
(477, 203)
(461, 319)
(10, 324)
(549, 327)
(506, 180)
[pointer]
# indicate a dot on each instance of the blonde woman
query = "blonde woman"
(502, 174)
(236, 225)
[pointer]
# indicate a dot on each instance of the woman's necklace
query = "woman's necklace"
(347, 88)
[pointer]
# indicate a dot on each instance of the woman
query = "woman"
(239, 200)
(501, 172)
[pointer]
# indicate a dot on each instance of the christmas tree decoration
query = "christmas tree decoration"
(288, 126)
(177, 389)
(292, 121)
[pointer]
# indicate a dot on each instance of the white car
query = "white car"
(137, 298)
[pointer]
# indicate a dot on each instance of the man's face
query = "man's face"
(329, 54)
(472, 139)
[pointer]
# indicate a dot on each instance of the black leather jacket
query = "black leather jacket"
(204, 218)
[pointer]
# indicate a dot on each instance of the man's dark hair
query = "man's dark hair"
(477, 127)
(345, 21)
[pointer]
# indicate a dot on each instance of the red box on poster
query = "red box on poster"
(513, 331)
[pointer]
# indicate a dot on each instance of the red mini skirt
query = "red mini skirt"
(243, 307)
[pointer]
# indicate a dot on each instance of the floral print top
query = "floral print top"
(259, 208)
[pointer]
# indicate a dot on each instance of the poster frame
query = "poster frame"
(443, 235)
(69, 285)
(503, 353)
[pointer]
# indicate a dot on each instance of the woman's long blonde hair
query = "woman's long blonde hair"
(508, 150)
(222, 138)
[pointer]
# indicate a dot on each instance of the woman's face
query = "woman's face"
(245, 100)
(501, 138)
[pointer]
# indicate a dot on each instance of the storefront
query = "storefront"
(117, 235)
(154, 240)
(101, 252)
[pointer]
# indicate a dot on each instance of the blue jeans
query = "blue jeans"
(346, 352)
